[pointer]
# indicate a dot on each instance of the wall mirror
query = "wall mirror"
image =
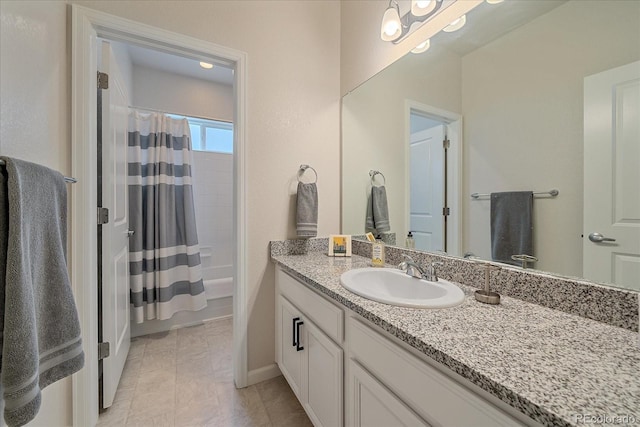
(513, 92)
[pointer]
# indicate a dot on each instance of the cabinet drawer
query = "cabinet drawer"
(434, 396)
(324, 314)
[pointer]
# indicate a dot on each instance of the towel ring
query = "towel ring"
(303, 168)
(373, 174)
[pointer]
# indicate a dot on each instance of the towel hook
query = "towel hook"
(373, 174)
(303, 168)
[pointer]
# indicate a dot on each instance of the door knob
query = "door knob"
(597, 238)
(130, 233)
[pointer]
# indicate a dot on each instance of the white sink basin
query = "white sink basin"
(395, 287)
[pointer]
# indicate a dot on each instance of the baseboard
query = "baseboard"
(262, 374)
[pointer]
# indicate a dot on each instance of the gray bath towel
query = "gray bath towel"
(377, 211)
(511, 225)
(40, 333)
(307, 210)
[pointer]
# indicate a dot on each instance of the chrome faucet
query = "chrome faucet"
(414, 270)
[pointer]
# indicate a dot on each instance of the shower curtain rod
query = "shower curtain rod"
(177, 114)
(70, 179)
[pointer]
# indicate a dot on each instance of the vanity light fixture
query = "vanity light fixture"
(422, 47)
(206, 65)
(456, 24)
(395, 28)
(422, 7)
(391, 27)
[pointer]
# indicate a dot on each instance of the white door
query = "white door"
(426, 183)
(612, 176)
(115, 259)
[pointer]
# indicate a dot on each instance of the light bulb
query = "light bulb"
(422, 7)
(206, 65)
(422, 47)
(391, 26)
(455, 25)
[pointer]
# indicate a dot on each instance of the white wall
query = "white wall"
(172, 93)
(293, 117)
(34, 118)
(530, 76)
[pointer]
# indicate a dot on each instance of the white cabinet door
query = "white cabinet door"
(370, 404)
(323, 388)
(290, 359)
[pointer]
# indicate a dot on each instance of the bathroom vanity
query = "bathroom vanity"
(356, 362)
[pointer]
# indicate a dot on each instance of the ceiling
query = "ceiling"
(179, 65)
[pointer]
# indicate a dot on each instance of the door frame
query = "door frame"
(86, 26)
(454, 168)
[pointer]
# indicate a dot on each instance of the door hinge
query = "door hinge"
(103, 80)
(446, 211)
(446, 143)
(103, 216)
(103, 350)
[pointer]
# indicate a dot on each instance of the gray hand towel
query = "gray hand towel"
(307, 210)
(378, 211)
(40, 332)
(511, 225)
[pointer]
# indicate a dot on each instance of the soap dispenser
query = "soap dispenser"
(410, 243)
(377, 253)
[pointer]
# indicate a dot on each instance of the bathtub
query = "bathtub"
(216, 287)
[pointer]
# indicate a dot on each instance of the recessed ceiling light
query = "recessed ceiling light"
(494, 1)
(206, 65)
(455, 25)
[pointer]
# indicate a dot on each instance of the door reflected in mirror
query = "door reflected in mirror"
(515, 75)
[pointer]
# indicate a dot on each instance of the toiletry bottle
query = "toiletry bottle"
(410, 243)
(377, 253)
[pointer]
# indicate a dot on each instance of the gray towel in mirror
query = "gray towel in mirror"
(377, 211)
(307, 210)
(511, 225)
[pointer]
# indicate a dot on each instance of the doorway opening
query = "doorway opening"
(88, 26)
(167, 87)
(434, 150)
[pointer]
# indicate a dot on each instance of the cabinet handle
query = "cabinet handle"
(294, 332)
(298, 346)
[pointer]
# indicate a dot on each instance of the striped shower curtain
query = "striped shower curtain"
(164, 256)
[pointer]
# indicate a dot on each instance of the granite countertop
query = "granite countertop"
(556, 368)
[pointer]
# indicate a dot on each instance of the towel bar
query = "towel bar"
(303, 168)
(373, 174)
(552, 193)
(66, 178)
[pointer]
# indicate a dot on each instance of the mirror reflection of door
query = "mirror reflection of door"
(427, 183)
(611, 234)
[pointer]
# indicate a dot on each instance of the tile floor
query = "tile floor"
(184, 378)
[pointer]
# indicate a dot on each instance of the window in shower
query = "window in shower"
(211, 135)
